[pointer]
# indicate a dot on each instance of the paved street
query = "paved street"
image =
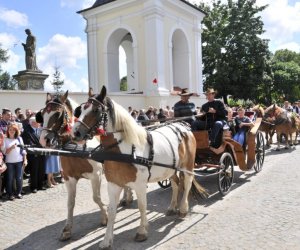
(261, 212)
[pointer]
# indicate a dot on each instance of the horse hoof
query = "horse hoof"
(65, 236)
(140, 237)
(171, 213)
(105, 248)
(182, 215)
(124, 203)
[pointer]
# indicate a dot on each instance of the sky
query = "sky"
(61, 37)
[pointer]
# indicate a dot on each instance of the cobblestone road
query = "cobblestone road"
(261, 212)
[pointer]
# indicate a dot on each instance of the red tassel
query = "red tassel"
(100, 131)
(154, 81)
(68, 128)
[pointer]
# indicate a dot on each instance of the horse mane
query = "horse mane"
(133, 133)
(259, 110)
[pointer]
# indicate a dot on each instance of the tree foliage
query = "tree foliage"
(6, 82)
(286, 75)
(57, 82)
(234, 55)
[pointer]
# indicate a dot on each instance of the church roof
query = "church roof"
(102, 2)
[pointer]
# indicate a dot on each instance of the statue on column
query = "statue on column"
(29, 47)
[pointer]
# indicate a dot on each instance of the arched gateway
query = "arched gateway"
(161, 41)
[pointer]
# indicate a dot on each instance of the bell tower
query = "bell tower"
(160, 41)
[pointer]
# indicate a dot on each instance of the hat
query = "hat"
(185, 92)
(210, 91)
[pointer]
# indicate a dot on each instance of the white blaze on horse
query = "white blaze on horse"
(57, 119)
(163, 150)
(285, 123)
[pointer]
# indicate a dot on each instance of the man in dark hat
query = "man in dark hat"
(184, 107)
(215, 118)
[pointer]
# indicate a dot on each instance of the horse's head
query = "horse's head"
(270, 112)
(92, 116)
(56, 119)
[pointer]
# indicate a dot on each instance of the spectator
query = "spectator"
(52, 166)
(15, 158)
(143, 118)
(161, 115)
(287, 106)
(6, 119)
(18, 112)
(36, 163)
(3, 167)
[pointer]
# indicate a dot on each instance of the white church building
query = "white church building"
(162, 43)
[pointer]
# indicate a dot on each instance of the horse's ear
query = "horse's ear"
(64, 97)
(39, 117)
(102, 94)
(91, 92)
(49, 97)
(77, 112)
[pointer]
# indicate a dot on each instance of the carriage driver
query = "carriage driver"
(215, 118)
(184, 107)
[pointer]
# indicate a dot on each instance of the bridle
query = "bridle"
(61, 125)
(101, 114)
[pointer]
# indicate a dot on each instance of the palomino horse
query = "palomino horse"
(57, 119)
(172, 146)
(284, 124)
(266, 125)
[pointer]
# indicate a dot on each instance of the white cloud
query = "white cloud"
(8, 40)
(13, 18)
(282, 21)
(290, 46)
(62, 51)
(77, 4)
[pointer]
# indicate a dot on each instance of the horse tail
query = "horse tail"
(198, 191)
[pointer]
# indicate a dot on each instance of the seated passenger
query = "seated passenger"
(230, 121)
(215, 118)
(243, 123)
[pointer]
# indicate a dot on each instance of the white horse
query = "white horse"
(163, 151)
(57, 119)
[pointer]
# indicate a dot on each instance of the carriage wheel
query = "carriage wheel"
(165, 183)
(259, 152)
(226, 173)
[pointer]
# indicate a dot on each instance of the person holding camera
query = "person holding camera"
(15, 159)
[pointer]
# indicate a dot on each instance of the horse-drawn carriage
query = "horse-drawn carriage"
(221, 161)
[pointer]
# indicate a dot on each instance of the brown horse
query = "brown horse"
(285, 124)
(57, 119)
(267, 126)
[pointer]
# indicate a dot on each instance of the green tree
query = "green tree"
(6, 82)
(234, 55)
(123, 83)
(57, 82)
(286, 75)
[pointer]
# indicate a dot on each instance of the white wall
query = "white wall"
(35, 100)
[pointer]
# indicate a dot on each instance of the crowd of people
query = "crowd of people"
(17, 129)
